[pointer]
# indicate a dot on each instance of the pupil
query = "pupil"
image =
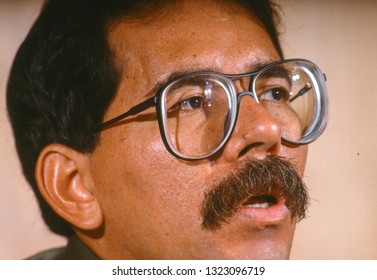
(277, 94)
(195, 102)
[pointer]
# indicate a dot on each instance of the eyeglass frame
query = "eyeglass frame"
(321, 112)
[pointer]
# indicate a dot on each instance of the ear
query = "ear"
(65, 182)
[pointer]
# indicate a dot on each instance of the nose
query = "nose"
(256, 134)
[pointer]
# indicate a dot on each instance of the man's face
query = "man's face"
(152, 202)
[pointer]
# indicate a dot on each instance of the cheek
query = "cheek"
(144, 190)
(129, 156)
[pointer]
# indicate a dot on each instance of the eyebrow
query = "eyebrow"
(277, 72)
(254, 67)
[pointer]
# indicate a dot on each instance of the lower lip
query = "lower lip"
(272, 215)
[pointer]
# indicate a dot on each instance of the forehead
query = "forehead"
(189, 36)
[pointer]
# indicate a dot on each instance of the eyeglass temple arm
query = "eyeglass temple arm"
(301, 92)
(133, 111)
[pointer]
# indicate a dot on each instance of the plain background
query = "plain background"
(341, 37)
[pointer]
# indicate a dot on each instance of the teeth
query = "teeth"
(258, 205)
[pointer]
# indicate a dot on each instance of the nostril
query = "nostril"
(249, 147)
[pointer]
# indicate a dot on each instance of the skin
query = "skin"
(147, 201)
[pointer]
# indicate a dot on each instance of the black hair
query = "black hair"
(64, 77)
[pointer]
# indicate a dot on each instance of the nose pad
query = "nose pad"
(256, 133)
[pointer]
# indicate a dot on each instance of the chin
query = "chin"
(266, 243)
(263, 251)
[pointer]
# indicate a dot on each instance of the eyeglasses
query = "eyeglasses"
(197, 112)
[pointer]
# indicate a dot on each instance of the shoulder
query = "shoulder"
(52, 254)
(75, 250)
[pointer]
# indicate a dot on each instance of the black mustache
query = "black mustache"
(255, 178)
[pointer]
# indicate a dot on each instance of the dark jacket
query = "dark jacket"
(75, 250)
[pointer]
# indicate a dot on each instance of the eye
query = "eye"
(189, 97)
(275, 94)
(191, 103)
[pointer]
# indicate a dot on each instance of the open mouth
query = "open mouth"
(265, 209)
(261, 201)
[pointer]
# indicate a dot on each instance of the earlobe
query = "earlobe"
(64, 180)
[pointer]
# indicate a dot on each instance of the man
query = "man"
(165, 129)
